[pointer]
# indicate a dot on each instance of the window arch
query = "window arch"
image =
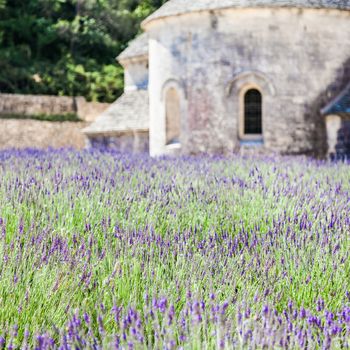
(172, 116)
(252, 118)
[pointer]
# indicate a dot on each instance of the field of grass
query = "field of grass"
(107, 251)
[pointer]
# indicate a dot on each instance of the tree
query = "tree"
(67, 47)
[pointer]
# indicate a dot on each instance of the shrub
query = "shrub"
(64, 117)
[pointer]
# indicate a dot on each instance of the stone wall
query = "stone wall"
(23, 133)
(89, 111)
(338, 130)
(37, 134)
(298, 58)
(343, 144)
(37, 104)
(136, 75)
(137, 142)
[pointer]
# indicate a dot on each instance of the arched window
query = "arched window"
(173, 117)
(253, 112)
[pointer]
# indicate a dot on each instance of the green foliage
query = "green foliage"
(67, 47)
(66, 117)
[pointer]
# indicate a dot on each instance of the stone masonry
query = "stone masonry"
(17, 133)
(20, 133)
(39, 104)
(292, 55)
(295, 54)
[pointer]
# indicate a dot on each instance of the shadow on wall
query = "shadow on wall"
(136, 142)
(342, 148)
(313, 111)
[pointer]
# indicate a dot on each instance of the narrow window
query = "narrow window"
(173, 120)
(252, 112)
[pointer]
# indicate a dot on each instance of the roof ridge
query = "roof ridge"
(179, 7)
(137, 47)
(128, 113)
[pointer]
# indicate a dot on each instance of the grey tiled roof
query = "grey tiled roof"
(340, 105)
(137, 47)
(130, 112)
(177, 7)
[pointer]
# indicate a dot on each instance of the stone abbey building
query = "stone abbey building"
(220, 76)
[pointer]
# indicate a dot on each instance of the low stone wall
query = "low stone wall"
(37, 134)
(39, 104)
(89, 111)
(137, 142)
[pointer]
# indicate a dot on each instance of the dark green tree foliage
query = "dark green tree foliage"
(67, 47)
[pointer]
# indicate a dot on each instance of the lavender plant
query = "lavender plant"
(100, 250)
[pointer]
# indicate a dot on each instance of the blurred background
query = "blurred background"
(67, 47)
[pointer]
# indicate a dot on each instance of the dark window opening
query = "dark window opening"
(253, 112)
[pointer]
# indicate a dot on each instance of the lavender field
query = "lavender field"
(107, 251)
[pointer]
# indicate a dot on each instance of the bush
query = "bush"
(65, 117)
